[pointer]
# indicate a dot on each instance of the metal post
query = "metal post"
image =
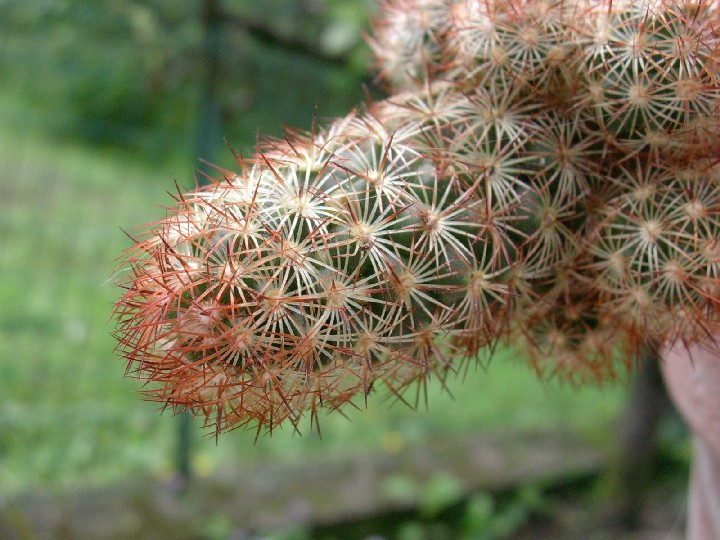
(207, 134)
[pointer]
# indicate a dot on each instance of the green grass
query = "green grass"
(69, 418)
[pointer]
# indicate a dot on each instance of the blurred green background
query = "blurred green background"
(104, 106)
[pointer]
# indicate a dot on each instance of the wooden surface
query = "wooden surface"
(266, 496)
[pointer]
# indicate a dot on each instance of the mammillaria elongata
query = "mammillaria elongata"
(542, 172)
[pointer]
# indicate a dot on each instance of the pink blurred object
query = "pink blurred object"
(692, 376)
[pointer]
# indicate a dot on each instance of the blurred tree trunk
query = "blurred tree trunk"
(630, 473)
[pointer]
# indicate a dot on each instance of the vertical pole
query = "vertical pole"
(209, 122)
(207, 133)
(184, 471)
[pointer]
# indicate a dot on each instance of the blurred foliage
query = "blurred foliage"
(445, 514)
(132, 73)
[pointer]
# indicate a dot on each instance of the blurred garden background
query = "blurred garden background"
(104, 108)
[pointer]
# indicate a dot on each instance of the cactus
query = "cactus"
(542, 173)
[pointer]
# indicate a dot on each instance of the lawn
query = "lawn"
(69, 418)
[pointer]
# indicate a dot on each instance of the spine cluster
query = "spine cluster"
(542, 172)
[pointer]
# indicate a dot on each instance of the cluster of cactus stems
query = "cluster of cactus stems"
(543, 174)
